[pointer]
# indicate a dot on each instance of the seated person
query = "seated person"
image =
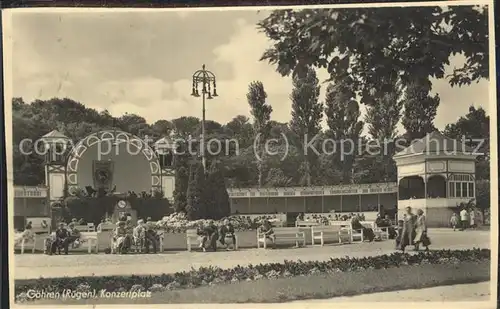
(367, 232)
(300, 217)
(210, 236)
(62, 237)
(121, 237)
(151, 237)
(227, 231)
(267, 229)
(139, 233)
(74, 235)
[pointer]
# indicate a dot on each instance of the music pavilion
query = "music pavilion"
(434, 174)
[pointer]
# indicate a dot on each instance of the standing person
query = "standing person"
(472, 218)
(454, 221)
(408, 232)
(464, 219)
(421, 231)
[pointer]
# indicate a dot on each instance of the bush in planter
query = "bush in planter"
(214, 275)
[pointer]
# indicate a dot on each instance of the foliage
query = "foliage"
(196, 207)
(344, 126)
(181, 167)
(483, 199)
(261, 112)
(215, 275)
(95, 209)
(474, 129)
(420, 111)
(307, 113)
(376, 45)
(217, 193)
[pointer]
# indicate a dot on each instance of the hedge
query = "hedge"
(214, 275)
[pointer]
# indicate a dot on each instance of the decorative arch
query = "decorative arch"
(436, 186)
(117, 137)
(411, 187)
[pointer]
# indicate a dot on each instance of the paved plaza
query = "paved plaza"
(39, 265)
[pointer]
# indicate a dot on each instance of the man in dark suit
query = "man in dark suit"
(62, 239)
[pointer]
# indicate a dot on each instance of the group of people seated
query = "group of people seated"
(63, 237)
(143, 235)
(210, 234)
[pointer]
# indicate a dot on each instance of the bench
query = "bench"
(89, 238)
(21, 241)
(283, 233)
(89, 227)
(319, 233)
(381, 233)
(193, 239)
(306, 223)
(346, 231)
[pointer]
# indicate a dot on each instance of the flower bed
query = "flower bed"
(178, 223)
(214, 275)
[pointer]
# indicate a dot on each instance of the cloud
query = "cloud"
(142, 63)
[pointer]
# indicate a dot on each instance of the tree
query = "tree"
(185, 125)
(307, 112)
(181, 166)
(261, 112)
(382, 120)
(216, 193)
(474, 129)
(344, 126)
(195, 208)
(379, 44)
(240, 129)
(419, 112)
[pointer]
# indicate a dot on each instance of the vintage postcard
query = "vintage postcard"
(308, 156)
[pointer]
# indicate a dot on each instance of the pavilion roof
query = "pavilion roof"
(435, 143)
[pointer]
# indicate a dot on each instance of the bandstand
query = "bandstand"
(114, 161)
(435, 174)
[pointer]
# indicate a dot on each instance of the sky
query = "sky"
(142, 62)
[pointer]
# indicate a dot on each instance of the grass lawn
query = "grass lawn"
(313, 286)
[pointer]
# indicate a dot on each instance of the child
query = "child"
(454, 221)
(399, 233)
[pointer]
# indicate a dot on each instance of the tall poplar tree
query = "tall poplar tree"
(419, 111)
(344, 127)
(307, 112)
(261, 112)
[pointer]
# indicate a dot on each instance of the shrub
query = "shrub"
(215, 275)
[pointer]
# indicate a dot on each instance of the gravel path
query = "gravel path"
(38, 265)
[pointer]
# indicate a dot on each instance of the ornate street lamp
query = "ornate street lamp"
(206, 79)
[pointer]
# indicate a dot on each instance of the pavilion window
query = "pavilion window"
(471, 189)
(452, 189)
(458, 189)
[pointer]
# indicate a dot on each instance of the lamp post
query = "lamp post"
(206, 79)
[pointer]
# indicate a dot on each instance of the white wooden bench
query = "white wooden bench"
(21, 242)
(321, 232)
(306, 223)
(380, 233)
(192, 238)
(91, 239)
(283, 233)
(89, 227)
(346, 231)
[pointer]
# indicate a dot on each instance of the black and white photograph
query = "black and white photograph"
(313, 155)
